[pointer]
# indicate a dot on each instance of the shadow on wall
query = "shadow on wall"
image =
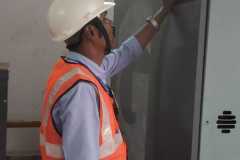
(156, 93)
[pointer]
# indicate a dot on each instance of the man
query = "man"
(78, 114)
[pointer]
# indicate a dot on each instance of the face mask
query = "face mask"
(99, 25)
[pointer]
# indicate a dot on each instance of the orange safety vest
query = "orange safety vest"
(64, 76)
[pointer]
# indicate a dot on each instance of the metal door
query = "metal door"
(220, 132)
(3, 111)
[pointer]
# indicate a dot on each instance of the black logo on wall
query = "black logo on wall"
(226, 122)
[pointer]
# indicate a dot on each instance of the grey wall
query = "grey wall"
(156, 93)
(26, 46)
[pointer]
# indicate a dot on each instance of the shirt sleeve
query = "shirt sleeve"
(121, 57)
(76, 117)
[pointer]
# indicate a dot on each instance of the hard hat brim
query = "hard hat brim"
(84, 21)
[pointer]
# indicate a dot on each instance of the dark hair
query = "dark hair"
(74, 41)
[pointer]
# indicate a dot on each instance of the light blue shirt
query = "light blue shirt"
(76, 114)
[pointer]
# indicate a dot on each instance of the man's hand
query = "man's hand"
(146, 34)
(168, 4)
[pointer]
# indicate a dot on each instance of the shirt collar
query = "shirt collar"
(95, 68)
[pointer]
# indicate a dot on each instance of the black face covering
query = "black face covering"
(76, 39)
(99, 25)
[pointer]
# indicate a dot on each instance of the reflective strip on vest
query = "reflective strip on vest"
(110, 143)
(56, 88)
(52, 150)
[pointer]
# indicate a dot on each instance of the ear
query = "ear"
(88, 32)
(91, 32)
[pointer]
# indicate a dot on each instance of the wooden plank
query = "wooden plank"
(23, 124)
(4, 66)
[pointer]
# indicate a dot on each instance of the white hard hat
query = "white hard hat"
(67, 17)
